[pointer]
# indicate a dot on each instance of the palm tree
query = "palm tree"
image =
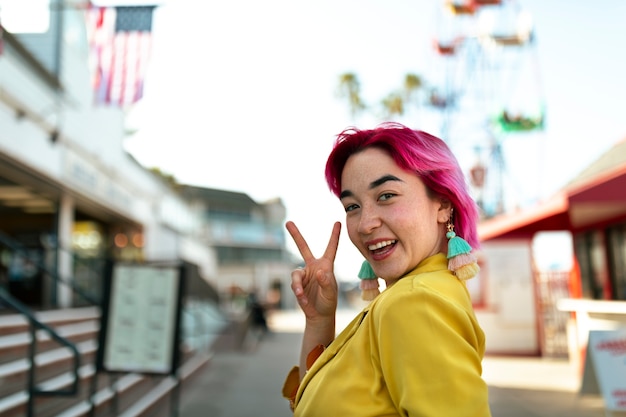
(412, 85)
(350, 87)
(394, 104)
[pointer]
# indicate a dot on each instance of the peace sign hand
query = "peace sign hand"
(315, 286)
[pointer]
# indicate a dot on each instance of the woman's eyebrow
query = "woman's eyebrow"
(383, 180)
(373, 184)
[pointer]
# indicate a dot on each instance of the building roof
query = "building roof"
(596, 196)
(221, 198)
(611, 160)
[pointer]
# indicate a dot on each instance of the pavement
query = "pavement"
(245, 375)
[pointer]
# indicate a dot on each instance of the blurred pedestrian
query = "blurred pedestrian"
(417, 348)
(258, 318)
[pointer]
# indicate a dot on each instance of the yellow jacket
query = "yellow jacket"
(416, 350)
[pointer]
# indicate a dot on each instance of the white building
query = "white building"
(69, 193)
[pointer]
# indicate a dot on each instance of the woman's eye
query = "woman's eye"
(386, 196)
(351, 207)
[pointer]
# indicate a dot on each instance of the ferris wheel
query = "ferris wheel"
(485, 88)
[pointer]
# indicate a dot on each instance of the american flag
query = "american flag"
(121, 40)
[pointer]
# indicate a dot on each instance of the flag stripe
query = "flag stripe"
(121, 44)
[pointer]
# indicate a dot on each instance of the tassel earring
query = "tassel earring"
(460, 259)
(369, 282)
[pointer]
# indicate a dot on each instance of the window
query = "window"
(617, 260)
(590, 252)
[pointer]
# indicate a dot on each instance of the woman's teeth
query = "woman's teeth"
(381, 244)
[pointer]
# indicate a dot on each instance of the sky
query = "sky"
(242, 95)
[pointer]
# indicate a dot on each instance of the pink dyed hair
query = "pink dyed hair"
(415, 151)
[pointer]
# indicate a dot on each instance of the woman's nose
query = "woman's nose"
(369, 220)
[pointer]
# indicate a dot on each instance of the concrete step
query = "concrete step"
(17, 323)
(120, 394)
(130, 390)
(131, 395)
(16, 345)
(14, 374)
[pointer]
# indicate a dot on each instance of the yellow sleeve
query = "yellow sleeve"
(292, 382)
(430, 348)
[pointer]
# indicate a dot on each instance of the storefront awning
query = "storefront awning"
(595, 198)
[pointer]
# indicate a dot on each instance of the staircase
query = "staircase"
(47, 358)
(126, 394)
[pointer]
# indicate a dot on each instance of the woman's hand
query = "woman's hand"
(315, 286)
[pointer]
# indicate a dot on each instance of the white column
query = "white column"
(66, 225)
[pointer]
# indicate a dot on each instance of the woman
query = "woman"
(416, 349)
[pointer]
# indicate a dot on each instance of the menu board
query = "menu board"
(141, 313)
(605, 367)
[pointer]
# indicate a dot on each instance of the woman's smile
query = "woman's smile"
(382, 249)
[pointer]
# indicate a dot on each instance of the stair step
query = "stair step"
(16, 345)
(147, 401)
(134, 395)
(17, 323)
(18, 400)
(14, 375)
(46, 358)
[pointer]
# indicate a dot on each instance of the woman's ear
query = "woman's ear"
(445, 210)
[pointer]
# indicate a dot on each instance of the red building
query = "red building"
(592, 208)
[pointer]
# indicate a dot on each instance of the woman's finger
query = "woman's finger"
(333, 243)
(297, 284)
(297, 237)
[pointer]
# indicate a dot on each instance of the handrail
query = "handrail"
(11, 244)
(34, 324)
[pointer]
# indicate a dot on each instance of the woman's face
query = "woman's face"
(390, 217)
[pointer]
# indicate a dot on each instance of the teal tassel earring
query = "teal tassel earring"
(369, 282)
(460, 259)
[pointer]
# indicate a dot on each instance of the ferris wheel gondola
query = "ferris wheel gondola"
(486, 86)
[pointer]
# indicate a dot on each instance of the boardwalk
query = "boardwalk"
(247, 382)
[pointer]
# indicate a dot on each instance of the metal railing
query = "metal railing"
(198, 332)
(41, 266)
(36, 324)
